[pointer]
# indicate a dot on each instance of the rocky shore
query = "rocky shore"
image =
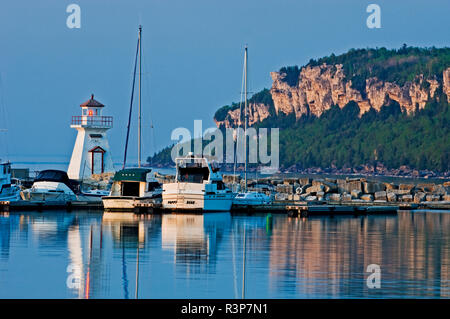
(349, 189)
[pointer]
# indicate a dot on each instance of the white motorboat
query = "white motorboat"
(251, 199)
(132, 187)
(8, 191)
(197, 186)
(55, 186)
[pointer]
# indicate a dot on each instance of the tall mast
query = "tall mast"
(140, 75)
(245, 117)
(131, 107)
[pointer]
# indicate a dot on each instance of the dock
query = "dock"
(23, 205)
(292, 208)
(306, 210)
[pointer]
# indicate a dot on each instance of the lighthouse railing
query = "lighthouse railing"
(95, 121)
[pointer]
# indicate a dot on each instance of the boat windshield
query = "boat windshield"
(152, 186)
(193, 174)
(52, 175)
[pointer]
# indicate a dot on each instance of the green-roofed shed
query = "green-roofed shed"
(132, 174)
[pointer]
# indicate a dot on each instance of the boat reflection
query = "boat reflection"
(194, 238)
(201, 256)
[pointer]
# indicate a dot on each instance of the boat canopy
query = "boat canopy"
(132, 174)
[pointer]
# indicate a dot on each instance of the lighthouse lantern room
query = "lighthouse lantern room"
(91, 153)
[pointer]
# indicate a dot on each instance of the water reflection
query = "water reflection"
(201, 256)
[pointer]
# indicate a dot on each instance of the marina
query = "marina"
(202, 255)
(166, 162)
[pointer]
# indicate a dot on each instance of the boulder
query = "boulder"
(373, 187)
(433, 198)
(334, 197)
(230, 178)
(408, 187)
(281, 196)
(439, 190)
(290, 181)
(381, 195)
(346, 186)
(346, 197)
(391, 197)
(315, 188)
(407, 198)
(400, 191)
(356, 193)
(327, 186)
(390, 186)
(304, 181)
(367, 197)
(426, 188)
(419, 197)
(287, 189)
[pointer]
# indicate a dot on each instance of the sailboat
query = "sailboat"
(133, 186)
(245, 198)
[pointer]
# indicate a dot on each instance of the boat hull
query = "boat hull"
(198, 202)
(126, 203)
(10, 195)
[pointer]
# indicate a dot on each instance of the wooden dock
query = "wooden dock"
(292, 208)
(334, 210)
(23, 205)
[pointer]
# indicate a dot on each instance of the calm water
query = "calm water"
(201, 256)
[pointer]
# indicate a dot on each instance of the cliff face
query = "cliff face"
(257, 112)
(320, 87)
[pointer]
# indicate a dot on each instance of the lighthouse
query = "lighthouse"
(91, 154)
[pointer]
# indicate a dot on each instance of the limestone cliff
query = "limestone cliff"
(320, 87)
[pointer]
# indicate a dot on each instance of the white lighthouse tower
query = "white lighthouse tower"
(91, 153)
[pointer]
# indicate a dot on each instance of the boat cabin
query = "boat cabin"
(135, 182)
(5, 175)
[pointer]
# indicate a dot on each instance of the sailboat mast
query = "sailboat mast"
(245, 116)
(140, 76)
(131, 107)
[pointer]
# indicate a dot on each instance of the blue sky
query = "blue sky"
(193, 54)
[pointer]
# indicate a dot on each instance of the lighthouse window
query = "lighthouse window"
(95, 135)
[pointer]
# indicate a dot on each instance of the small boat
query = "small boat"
(251, 199)
(197, 186)
(132, 187)
(8, 191)
(56, 186)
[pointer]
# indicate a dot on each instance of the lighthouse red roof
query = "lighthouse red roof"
(92, 103)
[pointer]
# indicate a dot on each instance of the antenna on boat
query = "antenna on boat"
(245, 115)
(140, 75)
(243, 265)
(131, 105)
